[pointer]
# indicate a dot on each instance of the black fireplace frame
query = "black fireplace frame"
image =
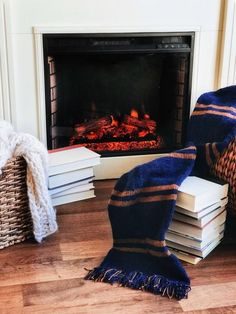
(119, 43)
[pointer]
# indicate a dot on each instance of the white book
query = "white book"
(194, 243)
(201, 222)
(204, 211)
(196, 193)
(74, 197)
(186, 257)
(64, 160)
(69, 177)
(196, 232)
(75, 189)
(69, 186)
(200, 253)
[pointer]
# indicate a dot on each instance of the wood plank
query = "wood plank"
(122, 307)
(210, 296)
(76, 250)
(44, 272)
(29, 252)
(83, 226)
(11, 298)
(79, 296)
(218, 267)
(219, 310)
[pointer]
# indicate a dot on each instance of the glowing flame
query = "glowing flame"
(146, 116)
(92, 136)
(143, 133)
(114, 122)
(134, 113)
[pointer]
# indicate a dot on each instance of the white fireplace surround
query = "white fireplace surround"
(111, 167)
(23, 22)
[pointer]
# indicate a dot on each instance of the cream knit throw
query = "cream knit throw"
(14, 144)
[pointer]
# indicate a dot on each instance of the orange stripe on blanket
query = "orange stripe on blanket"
(216, 113)
(147, 199)
(188, 148)
(145, 190)
(182, 156)
(228, 108)
(152, 242)
(144, 251)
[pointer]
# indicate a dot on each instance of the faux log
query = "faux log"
(143, 124)
(93, 125)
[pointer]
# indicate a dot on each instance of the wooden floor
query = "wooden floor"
(48, 278)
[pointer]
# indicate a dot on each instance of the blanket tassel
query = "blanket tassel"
(137, 280)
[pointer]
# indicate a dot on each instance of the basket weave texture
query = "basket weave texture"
(15, 217)
(225, 169)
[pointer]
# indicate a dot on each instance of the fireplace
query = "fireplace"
(118, 94)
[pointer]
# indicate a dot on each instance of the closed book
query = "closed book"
(73, 197)
(74, 189)
(194, 243)
(73, 158)
(201, 222)
(69, 177)
(69, 186)
(200, 253)
(196, 193)
(186, 257)
(196, 232)
(204, 211)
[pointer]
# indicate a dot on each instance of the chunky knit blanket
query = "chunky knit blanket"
(14, 144)
(140, 211)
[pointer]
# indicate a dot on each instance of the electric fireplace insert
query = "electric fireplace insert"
(118, 94)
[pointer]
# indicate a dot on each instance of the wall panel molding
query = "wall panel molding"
(7, 111)
(228, 48)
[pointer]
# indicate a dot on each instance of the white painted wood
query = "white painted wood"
(41, 106)
(228, 49)
(27, 13)
(232, 64)
(1, 99)
(114, 167)
(5, 99)
(87, 29)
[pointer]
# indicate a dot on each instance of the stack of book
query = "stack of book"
(199, 219)
(71, 174)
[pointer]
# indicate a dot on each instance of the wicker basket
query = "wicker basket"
(225, 168)
(15, 217)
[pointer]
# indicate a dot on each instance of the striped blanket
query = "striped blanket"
(212, 126)
(142, 203)
(140, 210)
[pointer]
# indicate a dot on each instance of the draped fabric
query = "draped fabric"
(140, 210)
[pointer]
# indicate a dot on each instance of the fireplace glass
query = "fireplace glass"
(118, 94)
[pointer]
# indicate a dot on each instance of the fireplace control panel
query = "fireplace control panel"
(84, 43)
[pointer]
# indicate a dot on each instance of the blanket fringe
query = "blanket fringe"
(155, 284)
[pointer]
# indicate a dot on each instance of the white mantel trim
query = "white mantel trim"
(228, 49)
(38, 32)
(7, 100)
(56, 29)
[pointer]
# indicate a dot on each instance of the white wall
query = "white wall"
(203, 16)
(228, 48)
